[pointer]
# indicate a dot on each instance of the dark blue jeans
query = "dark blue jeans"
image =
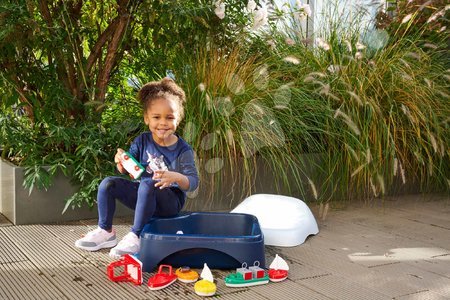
(143, 197)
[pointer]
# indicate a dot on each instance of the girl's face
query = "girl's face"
(162, 120)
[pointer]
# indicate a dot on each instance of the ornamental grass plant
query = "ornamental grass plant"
(383, 105)
(371, 103)
(238, 118)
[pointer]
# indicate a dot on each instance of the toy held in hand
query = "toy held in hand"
(131, 165)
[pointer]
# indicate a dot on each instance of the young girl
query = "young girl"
(158, 193)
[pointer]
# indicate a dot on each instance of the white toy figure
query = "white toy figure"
(155, 163)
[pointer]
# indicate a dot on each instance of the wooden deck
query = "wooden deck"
(398, 248)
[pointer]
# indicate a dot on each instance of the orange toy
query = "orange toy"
(186, 275)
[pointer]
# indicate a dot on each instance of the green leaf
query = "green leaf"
(36, 176)
(66, 206)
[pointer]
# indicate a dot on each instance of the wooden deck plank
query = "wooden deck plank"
(388, 223)
(362, 276)
(356, 242)
(422, 280)
(15, 267)
(308, 255)
(289, 289)
(8, 251)
(15, 276)
(68, 234)
(345, 237)
(81, 271)
(80, 279)
(246, 294)
(423, 295)
(8, 285)
(379, 252)
(439, 267)
(340, 240)
(423, 216)
(86, 282)
(431, 209)
(339, 287)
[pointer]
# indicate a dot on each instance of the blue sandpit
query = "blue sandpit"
(222, 240)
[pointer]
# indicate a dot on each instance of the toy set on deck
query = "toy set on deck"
(130, 269)
(219, 241)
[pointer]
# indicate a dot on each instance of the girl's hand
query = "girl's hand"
(167, 178)
(117, 160)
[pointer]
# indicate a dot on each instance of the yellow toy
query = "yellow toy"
(206, 286)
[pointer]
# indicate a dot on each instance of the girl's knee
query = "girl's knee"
(107, 184)
(148, 184)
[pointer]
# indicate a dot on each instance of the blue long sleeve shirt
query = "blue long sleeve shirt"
(178, 157)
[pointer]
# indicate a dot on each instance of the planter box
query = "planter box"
(41, 206)
(46, 206)
(229, 193)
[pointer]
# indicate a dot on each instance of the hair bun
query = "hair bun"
(165, 88)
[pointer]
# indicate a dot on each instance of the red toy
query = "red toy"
(278, 269)
(132, 270)
(161, 280)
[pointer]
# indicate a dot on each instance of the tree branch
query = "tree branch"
(20, 89)
(102, 39)
(43, 6)
(110, 59)
(63, 67)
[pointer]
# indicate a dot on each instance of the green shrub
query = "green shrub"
(83, 152)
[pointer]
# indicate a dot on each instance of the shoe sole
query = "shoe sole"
(108, 244)
(118, 253)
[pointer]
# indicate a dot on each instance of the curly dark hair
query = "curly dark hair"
(165, 88)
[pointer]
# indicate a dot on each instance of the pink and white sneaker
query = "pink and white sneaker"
(128, 245)
(97, 239)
